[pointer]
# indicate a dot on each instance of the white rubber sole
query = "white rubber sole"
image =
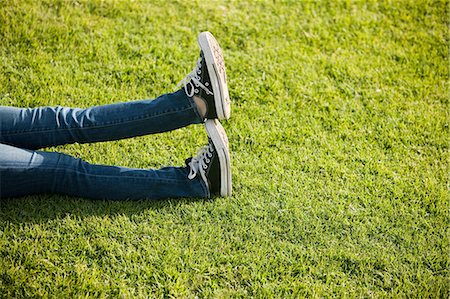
(220, 140)
(216, 70)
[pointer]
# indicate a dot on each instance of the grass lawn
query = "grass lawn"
(339, 137)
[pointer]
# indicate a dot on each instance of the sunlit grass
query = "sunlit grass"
(339, 137)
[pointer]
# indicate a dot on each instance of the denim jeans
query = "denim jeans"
(27, 171)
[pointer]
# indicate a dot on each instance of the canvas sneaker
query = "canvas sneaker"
(208, 79)
(212, 164)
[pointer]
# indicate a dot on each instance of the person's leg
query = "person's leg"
(205, 95)
(49, 126)
(26, 172)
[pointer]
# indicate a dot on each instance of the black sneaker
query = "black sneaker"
(213, 162)
(208, 80)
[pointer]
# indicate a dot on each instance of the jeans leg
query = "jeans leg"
(49, 126)
(26, 172)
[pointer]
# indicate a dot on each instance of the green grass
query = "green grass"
(339, 137)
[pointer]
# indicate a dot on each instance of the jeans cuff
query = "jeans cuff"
(199, 119)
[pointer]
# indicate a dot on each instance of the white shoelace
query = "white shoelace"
(194, 76)
(199, 163)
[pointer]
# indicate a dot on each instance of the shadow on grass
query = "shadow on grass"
(38, 209)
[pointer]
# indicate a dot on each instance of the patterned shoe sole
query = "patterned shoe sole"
(217, 73)
(218, 136)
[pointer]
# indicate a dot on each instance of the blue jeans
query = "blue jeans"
(27, 171)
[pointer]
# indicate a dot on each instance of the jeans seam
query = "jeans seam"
(99, 175)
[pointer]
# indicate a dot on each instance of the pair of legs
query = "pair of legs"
(24, 170)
